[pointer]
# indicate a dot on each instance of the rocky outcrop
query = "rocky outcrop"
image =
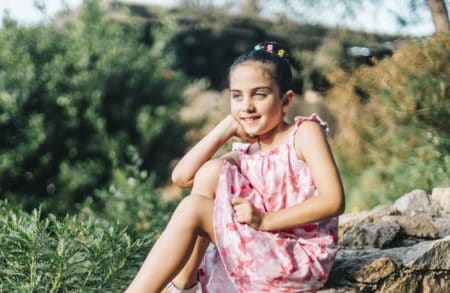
(400, 248)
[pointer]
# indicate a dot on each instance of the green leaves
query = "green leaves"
(47, 255)
(74, 97)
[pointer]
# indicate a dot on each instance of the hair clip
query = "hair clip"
(258, 47)
(272, 48)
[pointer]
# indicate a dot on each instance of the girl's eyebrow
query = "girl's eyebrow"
(253, 89)
(261, 88)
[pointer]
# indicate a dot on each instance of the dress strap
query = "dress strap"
(241, 148)
(313, 117)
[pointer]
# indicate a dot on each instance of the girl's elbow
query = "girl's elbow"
(180, 181)
(335, 206)
(339, 206)
(340, 209)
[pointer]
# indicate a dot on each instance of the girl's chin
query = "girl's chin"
(251, 132)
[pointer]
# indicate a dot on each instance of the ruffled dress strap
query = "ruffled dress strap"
(313, 117)
(241, 148)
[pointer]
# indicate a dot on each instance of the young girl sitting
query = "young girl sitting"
(263, 218)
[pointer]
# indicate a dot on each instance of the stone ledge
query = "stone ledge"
(399, 248)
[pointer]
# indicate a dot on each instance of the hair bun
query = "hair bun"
(273, 48)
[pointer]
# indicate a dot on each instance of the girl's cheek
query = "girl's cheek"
(233, 109)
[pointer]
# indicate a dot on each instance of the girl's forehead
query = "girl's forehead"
(249, 73)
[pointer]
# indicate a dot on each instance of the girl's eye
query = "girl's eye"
(260, 95)
(235, 96)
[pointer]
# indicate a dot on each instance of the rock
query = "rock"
(441, 196)
(378, 235)
(418, 226)
(384, 250)
(408, 283)
(338, 290)
(416, 202)
(346, 221)
(436, 282)
(399, 269)
(429, 255)
(383, 210)
(375, 271)
(442, 225)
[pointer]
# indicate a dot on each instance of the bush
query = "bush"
(73, 98)
(47, 255)
(131, 200)
(392, 134)
(101, 249)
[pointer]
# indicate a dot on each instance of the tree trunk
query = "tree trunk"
(439, 15)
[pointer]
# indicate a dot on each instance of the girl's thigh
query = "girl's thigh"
(207, 177)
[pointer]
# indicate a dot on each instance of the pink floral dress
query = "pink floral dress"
(247, 260)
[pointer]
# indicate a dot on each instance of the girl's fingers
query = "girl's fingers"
(243, 219)
(237, 200)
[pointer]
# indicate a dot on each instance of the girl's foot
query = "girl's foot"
(195, 289)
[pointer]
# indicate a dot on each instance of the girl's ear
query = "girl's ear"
(287, 100)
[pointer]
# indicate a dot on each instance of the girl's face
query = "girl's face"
(255, 99)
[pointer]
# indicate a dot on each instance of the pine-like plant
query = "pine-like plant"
(48, 255)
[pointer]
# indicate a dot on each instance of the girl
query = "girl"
(263, 218)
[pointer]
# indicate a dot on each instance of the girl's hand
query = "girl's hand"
(246, 213)
(239, 131)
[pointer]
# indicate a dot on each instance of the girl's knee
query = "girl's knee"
(206, 178)
(194, 211)
(211, 168)
(192, 206)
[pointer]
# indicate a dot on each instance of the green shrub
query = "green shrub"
(74, 97)
(392, 133)
(131, 199)
(48, 255)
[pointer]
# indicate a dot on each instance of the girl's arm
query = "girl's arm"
(312, 147)
(184, 172)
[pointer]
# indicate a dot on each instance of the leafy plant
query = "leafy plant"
(48, 255)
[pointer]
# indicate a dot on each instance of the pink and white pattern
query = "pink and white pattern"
(247, 260)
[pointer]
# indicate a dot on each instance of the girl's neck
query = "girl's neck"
(274, 137)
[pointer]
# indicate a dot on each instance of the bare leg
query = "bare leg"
(191, 226)
(205, 183)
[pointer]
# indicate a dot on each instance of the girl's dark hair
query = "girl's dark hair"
(273, 54)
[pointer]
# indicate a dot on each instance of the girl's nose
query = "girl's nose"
(248, 105)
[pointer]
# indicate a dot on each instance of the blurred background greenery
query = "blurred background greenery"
(97, 105)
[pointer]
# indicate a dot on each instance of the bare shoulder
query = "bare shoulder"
(309, 135)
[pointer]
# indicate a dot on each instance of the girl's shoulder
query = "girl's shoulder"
(299, 120)
(308, 131)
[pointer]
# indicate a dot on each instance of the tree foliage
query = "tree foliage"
(73, 98)
(392, 134)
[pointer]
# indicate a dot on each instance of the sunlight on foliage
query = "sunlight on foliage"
(392, 133)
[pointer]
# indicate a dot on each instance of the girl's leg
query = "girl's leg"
(205, 183)
(192, 218)
(174, 248)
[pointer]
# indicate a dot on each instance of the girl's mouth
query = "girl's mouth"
(250, 119)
